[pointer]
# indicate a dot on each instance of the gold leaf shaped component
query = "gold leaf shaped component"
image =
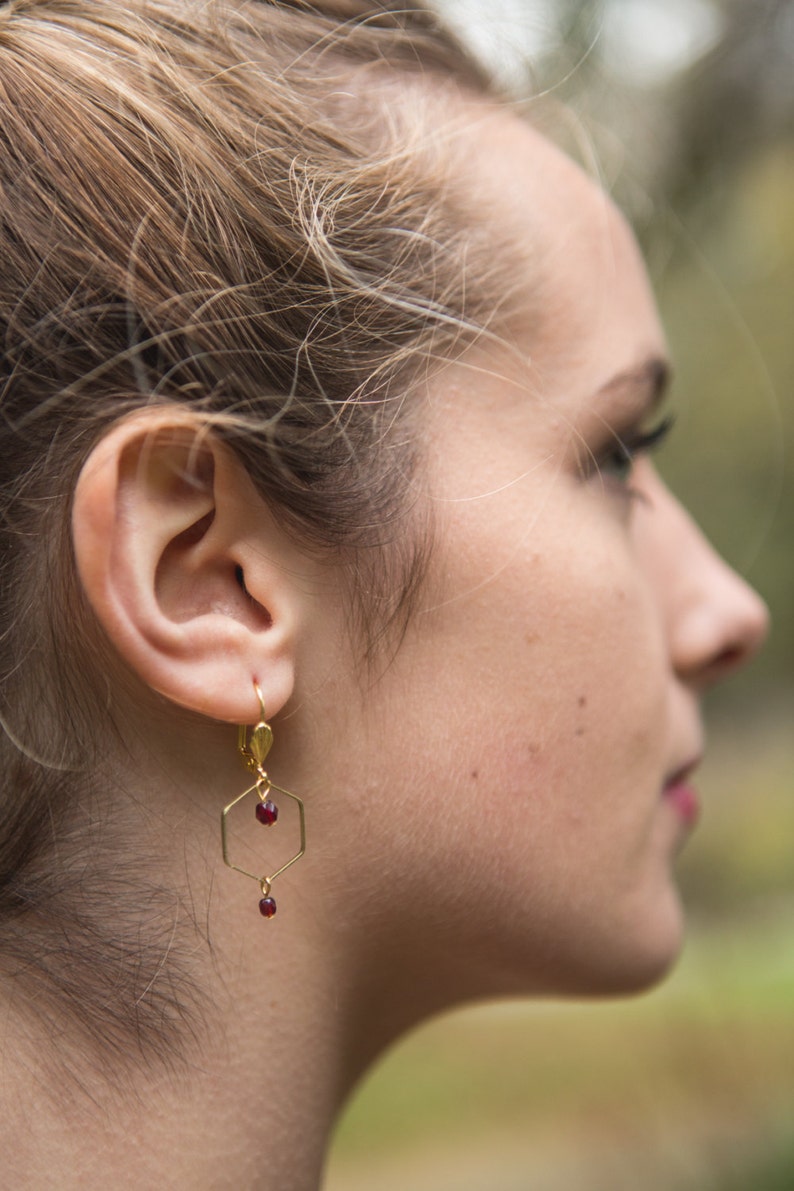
(261, 742)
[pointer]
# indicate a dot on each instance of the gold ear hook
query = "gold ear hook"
(255, 749)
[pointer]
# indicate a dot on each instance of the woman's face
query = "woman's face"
(526, 780)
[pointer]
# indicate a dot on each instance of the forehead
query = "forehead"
(579, 289)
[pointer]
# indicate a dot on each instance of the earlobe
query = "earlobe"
(185, 567)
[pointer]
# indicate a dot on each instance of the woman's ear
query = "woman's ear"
(185, 567)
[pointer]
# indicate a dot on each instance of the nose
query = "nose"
(715, 620)
(719, 624)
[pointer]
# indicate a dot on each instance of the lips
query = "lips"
(681, 795)
(685, 801)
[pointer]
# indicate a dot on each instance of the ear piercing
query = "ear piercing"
(254, 746)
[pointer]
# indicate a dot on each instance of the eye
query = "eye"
(617, 459)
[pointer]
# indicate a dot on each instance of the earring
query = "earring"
(253, 749)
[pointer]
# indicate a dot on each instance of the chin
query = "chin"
(623, 971)
(634, 978)
(617, 955)
(620, 956)
(641, 956)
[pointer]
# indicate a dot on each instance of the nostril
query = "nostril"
(724, 665)
(709, 652)
(730, 657)
(744, 632)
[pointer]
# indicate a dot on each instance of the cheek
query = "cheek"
(560, 655)
(532, 706)
(561, 720)
(548, 685)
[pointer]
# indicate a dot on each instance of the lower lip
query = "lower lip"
(684, 801)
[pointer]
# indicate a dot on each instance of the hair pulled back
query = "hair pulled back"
(199, 204)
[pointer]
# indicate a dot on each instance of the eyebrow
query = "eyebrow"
(652, 377)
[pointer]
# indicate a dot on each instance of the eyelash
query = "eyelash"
(618, 459)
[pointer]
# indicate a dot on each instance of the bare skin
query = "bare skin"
(488, 817)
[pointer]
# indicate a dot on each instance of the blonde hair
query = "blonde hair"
(195, 208)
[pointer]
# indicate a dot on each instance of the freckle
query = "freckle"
(532, 638)
(534, 749)
(580, 731)
(583, 701)
(475, 774)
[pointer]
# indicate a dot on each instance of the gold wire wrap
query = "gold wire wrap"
(254, 746)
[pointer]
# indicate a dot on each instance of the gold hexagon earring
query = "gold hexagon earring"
(253, 746)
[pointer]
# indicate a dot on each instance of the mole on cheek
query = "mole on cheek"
(581, 703)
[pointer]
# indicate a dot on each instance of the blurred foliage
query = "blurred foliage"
(741, 858)
(728, 304)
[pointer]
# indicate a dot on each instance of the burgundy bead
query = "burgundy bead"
(267, 812)
(267, 907)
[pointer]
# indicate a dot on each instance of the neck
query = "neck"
(288, 1015)
(251, 1107)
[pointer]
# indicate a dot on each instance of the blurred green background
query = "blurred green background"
(686, 109)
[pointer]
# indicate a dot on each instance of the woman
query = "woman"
(328, 388)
